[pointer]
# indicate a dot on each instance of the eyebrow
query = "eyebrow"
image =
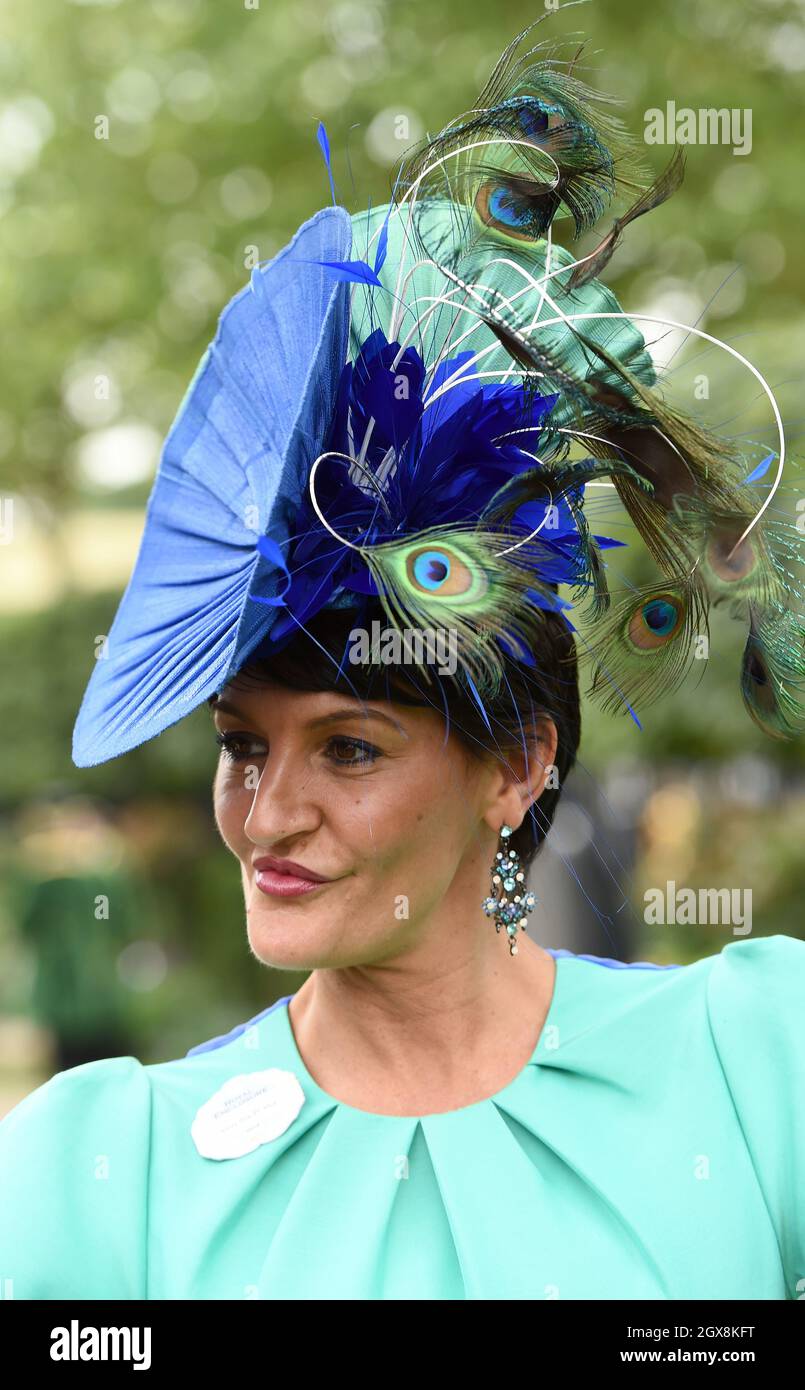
(335, 716)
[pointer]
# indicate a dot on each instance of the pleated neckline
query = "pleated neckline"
(551, 1020)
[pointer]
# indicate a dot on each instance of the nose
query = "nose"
(282, 809)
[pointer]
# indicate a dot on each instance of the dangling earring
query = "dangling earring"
(508, 879)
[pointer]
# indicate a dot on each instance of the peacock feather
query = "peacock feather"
(458, 580)
(538, 143)
(473, 267)
(773, 671)
(647, 643)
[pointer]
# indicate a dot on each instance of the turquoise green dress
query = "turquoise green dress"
(653, 1147)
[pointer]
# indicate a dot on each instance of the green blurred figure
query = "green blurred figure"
(78, 907)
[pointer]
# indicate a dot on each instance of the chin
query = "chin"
(310, 938)
(290, 935)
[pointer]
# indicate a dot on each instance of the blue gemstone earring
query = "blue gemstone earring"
(508, 903)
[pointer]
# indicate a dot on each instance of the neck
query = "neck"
(446, 1021)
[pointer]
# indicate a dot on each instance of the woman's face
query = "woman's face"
(369, 796)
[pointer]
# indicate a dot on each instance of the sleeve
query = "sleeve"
(74, 1185)
(756, 1006)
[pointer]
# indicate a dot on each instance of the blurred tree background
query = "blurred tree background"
(118, 254)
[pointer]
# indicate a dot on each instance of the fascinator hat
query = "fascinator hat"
(411, 405)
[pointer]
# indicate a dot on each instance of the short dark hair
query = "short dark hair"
(314, 659)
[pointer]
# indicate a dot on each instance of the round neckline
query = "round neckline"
(321, 1094)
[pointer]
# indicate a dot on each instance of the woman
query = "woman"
(441, 1111)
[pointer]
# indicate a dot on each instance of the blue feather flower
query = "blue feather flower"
(416, 448)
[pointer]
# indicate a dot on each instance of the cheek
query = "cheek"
(394, 863)
(231, 805)
(413, 833)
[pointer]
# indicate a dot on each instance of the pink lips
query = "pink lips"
(284, 879)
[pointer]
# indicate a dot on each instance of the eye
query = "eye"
(368, 753)
(236, 747)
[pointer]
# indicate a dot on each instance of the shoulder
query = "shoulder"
(74, 1160)
(612, 991)
(751, 986)
(81, 1158)
(742, 1007)
(77, 1099)
(770, 965)
(755, 1002)
(767, 971)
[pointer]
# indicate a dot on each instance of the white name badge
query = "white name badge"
(247, 1111)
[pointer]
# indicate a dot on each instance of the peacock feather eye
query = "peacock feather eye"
(430, 568)
(508, 208)
(721, 563)
(539, 121)
(757, 686)
(520, 209)
(442, 573)
(537, 118)
(654, 623)
(534, 121)
(758, 690)
(756, 669)
(773, 671)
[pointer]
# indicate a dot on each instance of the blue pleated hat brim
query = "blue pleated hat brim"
(234, 466)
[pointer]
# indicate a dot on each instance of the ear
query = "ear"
(520, 780)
